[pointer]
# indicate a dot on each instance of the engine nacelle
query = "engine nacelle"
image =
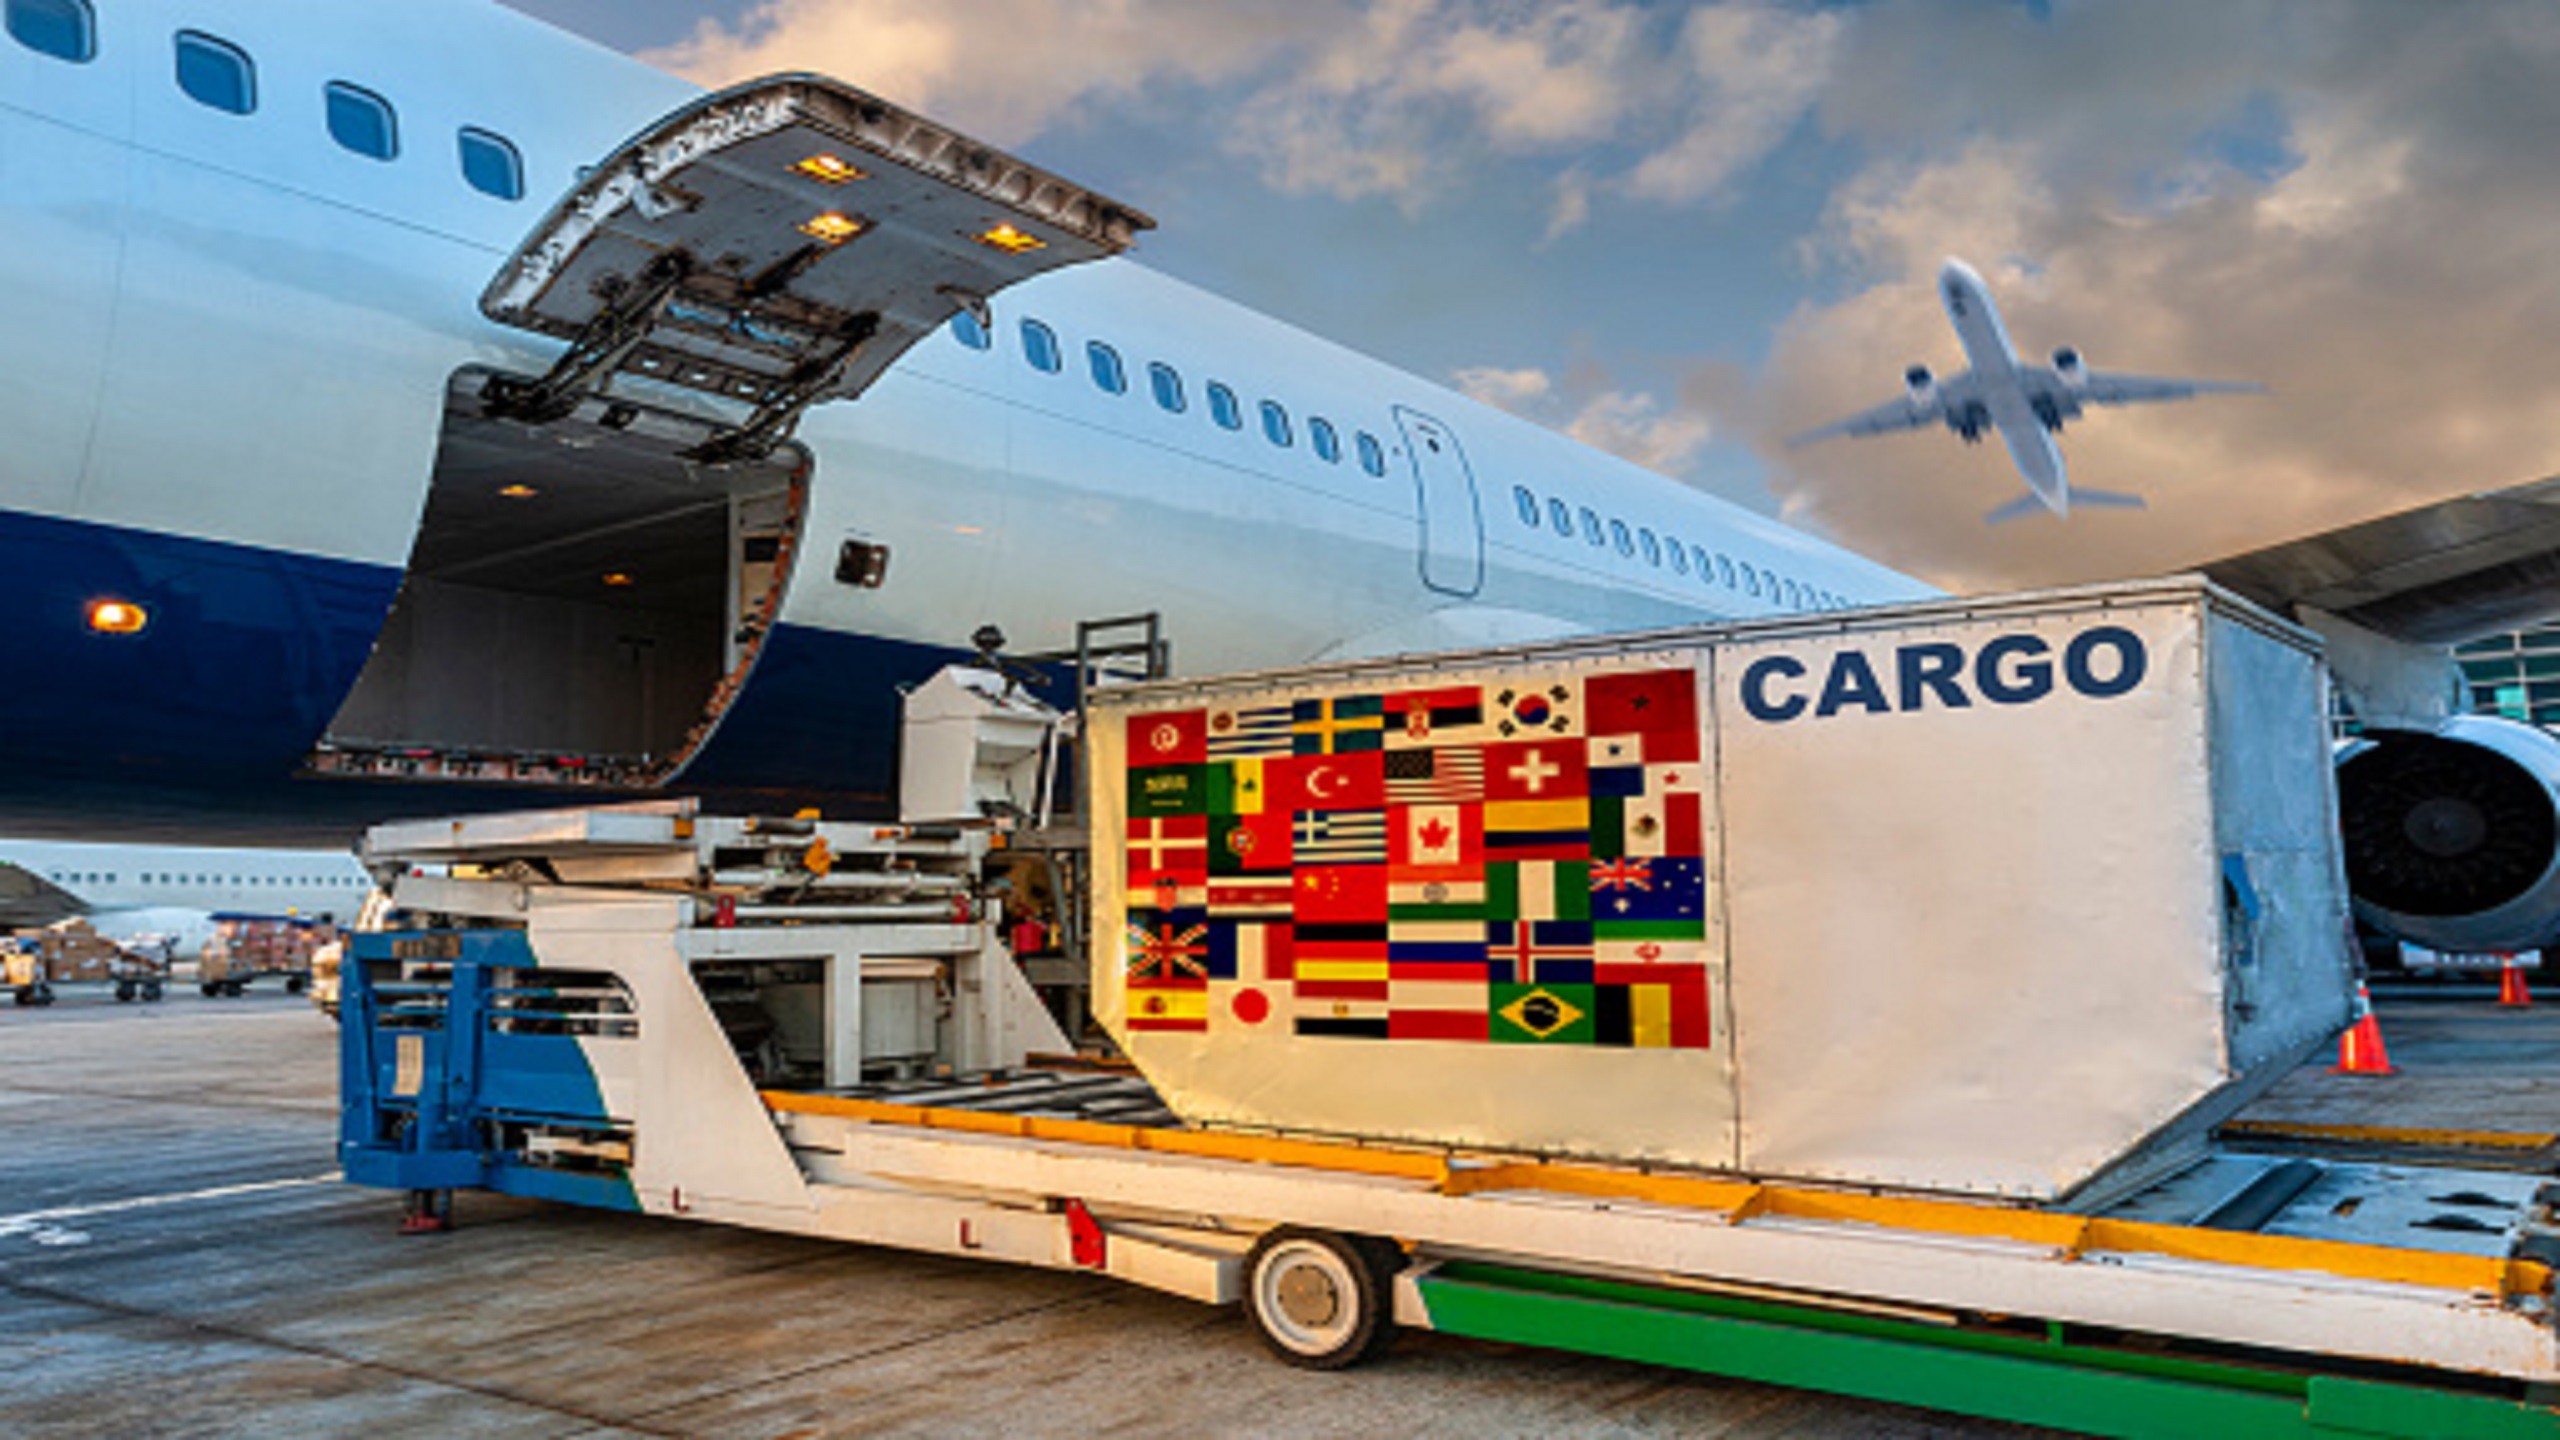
(2073, 369)
(2452, 836)
(1922, 385)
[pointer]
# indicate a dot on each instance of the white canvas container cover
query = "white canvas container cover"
(1965, 932)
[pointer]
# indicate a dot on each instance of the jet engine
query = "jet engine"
(2453, 834)
(1922, 385)
(2074, 370)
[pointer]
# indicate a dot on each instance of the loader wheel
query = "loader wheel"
(124, 992)
(43, 992)
(210, 988)
(1320, 1301)
(235, 988)
(150, 990)
(295, 984)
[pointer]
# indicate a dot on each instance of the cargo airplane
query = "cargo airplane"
(2026, 403)
(414, 408)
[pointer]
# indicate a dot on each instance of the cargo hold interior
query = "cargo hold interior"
(578, 591)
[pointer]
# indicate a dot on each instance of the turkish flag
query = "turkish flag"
(1341, 894)
(1537, 770)
(1661, 704)
(1174, 737)
(1353, 781)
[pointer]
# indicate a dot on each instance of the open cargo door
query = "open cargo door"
(778, 244)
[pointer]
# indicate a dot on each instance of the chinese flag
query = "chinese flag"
(1176, 737)
(1340, 894)
(1659, 704)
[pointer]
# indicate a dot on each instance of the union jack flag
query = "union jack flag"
(1168, 953)
(1621, 875)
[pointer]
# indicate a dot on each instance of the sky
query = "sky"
(1682, 232)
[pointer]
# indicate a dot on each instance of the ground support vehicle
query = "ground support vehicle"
(245, 950)
(32, 964)
(581, 1058)
(1982, 1173)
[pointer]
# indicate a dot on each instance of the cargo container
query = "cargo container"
(2009, 898)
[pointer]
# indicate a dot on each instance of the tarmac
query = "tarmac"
(177, 1258)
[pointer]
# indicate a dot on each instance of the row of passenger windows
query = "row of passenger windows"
(217, 74)
(1040, 349)
(1711, 567)
(95, 877)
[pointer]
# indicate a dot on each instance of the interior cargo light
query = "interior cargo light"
(618, 579)
(832, 228)
(830, 169)
(117, 617)
(518, 491)
(1010, 240)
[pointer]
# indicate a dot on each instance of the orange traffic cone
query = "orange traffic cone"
(2512, 992)
(2360, 1050)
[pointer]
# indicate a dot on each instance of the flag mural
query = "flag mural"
(1519, 863)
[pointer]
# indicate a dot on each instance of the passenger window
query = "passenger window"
(216, 73)
(1328, 446)
(1040, 347)
(1527, 504)
(1750, 578)
(1373, 456)
(1591, 526)
(1275, 423)
(1652, 547)
(490, 163)
(1168, 386)
(1618, 532)
(1106, 367)
(1679, 557)
(363, 121)
(966, 329)
(63, 29)
(1561, 517)
(1223, 407)
(1724, 570)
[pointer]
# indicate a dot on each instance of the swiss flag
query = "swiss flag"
(1175, 737)
(1353, 781)
(1435, 837)
(1340, 894)
(1661, 705)
(1537, 770)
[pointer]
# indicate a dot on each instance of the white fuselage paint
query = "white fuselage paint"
(232, 328)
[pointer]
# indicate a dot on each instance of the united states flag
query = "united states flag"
(1453, 775)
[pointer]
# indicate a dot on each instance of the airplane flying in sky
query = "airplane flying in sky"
(414, 408)
(2026, 403)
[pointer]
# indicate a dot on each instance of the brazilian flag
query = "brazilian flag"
(1544, 1014)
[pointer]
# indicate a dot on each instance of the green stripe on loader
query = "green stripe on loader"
(1970, 1372)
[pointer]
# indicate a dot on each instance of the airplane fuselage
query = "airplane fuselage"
(241, 355)
(1994, 361)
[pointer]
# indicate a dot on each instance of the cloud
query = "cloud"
(1632, 424)
(2391, 280)
(1004, 70)
(1348, 98)
(1754, 71)
(1513, 390)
